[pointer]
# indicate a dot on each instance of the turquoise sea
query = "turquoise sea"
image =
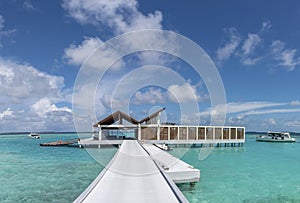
(256, 172)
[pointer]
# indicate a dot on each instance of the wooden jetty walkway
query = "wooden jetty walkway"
(138, 173)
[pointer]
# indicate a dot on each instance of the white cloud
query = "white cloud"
(266, 25)
(271, 121)
(45, 106)
(76, 55)
(286, 57)
(249, 45)
(3, 32)
(244, 114)
(32, 95)
(243, 49)
(1, 22)
(295, 103)
(119, 15)
(229, 47)
(251, 61)
(238, 107)
(28, 5)
(271, 111)
(152, 96)
(295, 123)
(108, 101)
(8, 113)
(88, 52)
(183, 93)
(22, 82)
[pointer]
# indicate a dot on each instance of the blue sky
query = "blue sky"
(254, 45)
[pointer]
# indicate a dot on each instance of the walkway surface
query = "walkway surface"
(177, 170)
(132, 176)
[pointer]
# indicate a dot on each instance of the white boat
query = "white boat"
(163, 146)
(34, 135)
(275, 137)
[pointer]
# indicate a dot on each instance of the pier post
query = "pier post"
(100, 132)
(139, 132)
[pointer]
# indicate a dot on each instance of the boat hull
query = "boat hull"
(275, 140)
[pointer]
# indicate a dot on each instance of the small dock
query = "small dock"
(59, 143)
(138, 173)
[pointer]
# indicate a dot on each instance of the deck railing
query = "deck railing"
(171, 132)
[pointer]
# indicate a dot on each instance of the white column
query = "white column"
(158, 118)
(222, 133)
(100, 133)
(187, 133)
(139, 132)
(169, 133)
(158, 132)
(197, 134)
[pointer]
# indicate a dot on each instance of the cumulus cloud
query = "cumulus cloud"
(88, 52)
(7, 114)
(109, 101)
(286, 57)
(45, 106)
(22, 82)
(29, 96)
(77, 54)
(183, 93)
(119, 15)
(152, 96)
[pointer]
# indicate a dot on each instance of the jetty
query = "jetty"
(59, 143)
(119, 126)
(140, 173)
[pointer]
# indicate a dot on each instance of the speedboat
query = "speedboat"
(34, 135)
(276, 137)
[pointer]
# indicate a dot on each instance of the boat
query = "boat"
(275, 137)
(34, 135)
(163, 147)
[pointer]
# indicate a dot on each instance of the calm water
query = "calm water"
(257, 172)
